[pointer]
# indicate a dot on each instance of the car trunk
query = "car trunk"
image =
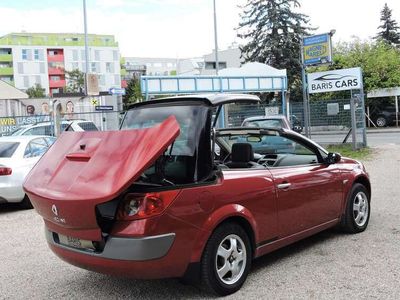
(84, 169)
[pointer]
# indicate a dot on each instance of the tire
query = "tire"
(358, 210)
(221, 251)
(26, 203)
(381, 121)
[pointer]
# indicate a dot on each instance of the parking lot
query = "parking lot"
(330, 265)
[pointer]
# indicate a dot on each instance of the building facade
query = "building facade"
(27, 59)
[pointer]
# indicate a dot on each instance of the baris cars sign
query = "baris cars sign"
(335, 80)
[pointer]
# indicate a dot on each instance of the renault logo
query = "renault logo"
(54, 209)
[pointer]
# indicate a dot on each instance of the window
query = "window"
(93, 67)
(97, 55)
(74, 55)
(55, 78)
(38, 80)
(7, 149)
(24, 54)
(36, 147)
(36, 54)
(75, 65)
(20, 66)
(109, 67)
(115, 55)
(26, 81)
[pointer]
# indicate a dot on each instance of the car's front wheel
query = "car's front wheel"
(358, 209)
(226, 259)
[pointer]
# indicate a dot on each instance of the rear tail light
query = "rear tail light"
(5, 171)
(140, 206)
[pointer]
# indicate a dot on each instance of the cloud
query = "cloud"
(174, 28)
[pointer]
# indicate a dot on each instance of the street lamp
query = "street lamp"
(216, 40)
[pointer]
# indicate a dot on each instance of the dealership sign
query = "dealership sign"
(336, 80)
(317, 49)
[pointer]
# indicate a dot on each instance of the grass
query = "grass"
(347, 151)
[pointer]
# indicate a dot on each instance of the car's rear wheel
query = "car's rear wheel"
(226, 259)
(358, 210)
(26, 203)
(381, 121)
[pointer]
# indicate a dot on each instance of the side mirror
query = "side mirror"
(297, 128)
(333, 158)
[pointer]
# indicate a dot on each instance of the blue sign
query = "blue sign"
(317, 49)
(117, 91)
(104, 107)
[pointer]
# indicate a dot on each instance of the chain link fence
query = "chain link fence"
(45, 124)
(330, 120)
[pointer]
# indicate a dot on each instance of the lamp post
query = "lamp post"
(86, 47)
(216, 40)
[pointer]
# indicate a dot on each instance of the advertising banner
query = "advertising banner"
(317, 49)
(335, 80)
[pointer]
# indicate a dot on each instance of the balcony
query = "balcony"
(8, 71)
(56, 71)
(57, 83)
(6, 57)
(55, 58)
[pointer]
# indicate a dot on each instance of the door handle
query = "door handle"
(284, 186)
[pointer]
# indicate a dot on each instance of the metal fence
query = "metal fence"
(330, 120)
(46, 124)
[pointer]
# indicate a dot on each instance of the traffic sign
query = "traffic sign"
(104, 107)
(117, 91)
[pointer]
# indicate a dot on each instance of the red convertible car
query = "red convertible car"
(169, 195)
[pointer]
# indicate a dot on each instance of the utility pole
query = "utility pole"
(216, 40)
(86, 47)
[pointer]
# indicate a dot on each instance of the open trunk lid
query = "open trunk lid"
(83, 169)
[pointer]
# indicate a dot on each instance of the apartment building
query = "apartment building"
(27, 59)
(205, 65)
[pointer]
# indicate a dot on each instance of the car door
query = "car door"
(309, 192)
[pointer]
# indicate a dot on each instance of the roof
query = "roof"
(56, 39)
(21, 138)
(210, 99)
(7, 91)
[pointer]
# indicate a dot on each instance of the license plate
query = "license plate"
(75, 242)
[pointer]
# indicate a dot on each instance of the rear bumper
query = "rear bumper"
(131, 249)
(11, 193)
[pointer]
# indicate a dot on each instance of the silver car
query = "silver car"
(18, 155)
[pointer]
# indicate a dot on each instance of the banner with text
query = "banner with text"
(335, 80)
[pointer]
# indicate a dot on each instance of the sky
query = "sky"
(180, 28)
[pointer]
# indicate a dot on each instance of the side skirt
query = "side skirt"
(272, 245)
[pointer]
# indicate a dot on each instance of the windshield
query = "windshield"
(269, 123)
(188, 159)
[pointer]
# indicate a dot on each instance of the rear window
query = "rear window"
(7, 149)
(87, 126)
(269, 123)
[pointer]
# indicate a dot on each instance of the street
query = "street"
(330, 265)
(374, 137)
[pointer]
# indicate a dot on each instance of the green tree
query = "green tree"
(389, 29)
(273, 29)
(36, 91)
(133, 92)
(76, 81)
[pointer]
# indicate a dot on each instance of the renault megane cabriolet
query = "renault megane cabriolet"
(170, 195)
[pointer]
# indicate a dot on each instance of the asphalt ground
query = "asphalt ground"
(330, 265)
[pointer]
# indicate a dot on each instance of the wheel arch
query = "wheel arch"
(231, 213)
(365, 182)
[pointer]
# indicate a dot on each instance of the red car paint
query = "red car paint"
(109, 162)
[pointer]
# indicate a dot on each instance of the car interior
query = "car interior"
(258, 150)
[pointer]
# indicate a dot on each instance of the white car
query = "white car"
(47, 128)
(18, 155)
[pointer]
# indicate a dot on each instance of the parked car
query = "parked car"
(47, 128)
(17, 157)
(275, 121)
(385, 116)
(153, 201)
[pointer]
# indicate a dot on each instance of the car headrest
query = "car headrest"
(242, 152)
